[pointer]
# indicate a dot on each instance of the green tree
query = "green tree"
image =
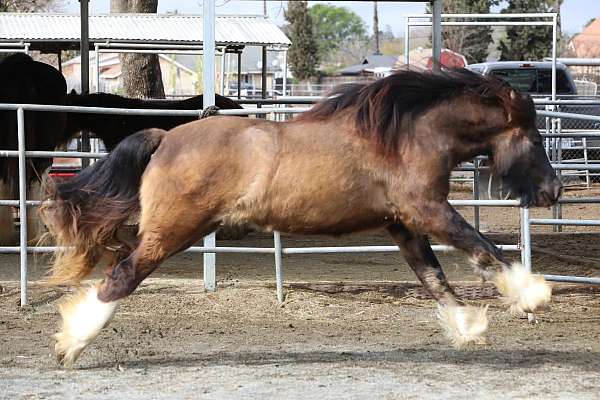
(334, 27)
(527, 43)
(27, 5)
(303, 53)
(471, 41)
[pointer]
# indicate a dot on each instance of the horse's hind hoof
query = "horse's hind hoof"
(83, 316)
(464, 325)
(66, 353)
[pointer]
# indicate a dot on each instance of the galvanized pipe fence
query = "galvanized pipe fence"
(278, 250)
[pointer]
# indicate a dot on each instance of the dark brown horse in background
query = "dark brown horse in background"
(114, 128)
(23, 80)
(27, 81)
(372, 156)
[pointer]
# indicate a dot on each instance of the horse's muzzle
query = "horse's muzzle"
(548, 194)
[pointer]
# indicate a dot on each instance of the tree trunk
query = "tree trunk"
(140, 73)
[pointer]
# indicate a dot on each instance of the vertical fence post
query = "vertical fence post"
(525, 238)
(285, 72)
(222, 77)
(436, 33)
(85, 69)
(239, 74)
(476, 191)
(278, 265)
(526, 249)
(406, 42)
(22, 204)
(208, 77)
(97, 55)
(556, 209)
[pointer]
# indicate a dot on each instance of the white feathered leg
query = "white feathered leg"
(523, 291)
(83, 317)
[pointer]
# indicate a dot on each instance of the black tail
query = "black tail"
(85, 212)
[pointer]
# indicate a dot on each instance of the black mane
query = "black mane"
(382, 107)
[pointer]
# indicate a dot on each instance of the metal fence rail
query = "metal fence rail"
(278, 250)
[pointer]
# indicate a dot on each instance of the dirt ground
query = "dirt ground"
(352, 326)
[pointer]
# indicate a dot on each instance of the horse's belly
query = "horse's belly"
(339, 214)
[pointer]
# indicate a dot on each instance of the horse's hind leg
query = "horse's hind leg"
(523, 290)
(35, 227)
(463, 324)
(8, 234)
(164, 231)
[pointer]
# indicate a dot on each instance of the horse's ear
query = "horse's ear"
(72, 92)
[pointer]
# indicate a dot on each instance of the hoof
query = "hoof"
(523, 291)
(83, 316)
(464, 325)
(67, 350)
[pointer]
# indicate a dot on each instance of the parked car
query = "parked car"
(534, 78)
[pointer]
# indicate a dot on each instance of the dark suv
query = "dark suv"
(535, 78)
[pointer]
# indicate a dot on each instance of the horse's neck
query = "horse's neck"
(96, 123)
(470, 128)
(77, 122)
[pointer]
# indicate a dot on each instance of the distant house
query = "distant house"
(178, 79)
(587, 43)
(251, 71)
(180, 73)
(421, 59)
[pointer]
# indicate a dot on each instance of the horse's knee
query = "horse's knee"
(485, 264)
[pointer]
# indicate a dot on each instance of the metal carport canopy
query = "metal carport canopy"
(52, 32)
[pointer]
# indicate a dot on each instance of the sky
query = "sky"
(574, 13)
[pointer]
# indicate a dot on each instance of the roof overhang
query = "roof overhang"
(52, 32)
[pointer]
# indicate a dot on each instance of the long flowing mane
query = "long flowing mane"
(382, 108)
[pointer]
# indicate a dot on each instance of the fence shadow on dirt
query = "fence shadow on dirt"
(496, 358)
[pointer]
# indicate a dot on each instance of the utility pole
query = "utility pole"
(557, 5)
(376, 28)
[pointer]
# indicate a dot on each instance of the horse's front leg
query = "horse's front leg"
(463, 324)
(523, 290)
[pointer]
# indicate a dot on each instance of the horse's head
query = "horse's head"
(519, 160)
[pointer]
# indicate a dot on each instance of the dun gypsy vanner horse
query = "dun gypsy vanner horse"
(372, 156)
